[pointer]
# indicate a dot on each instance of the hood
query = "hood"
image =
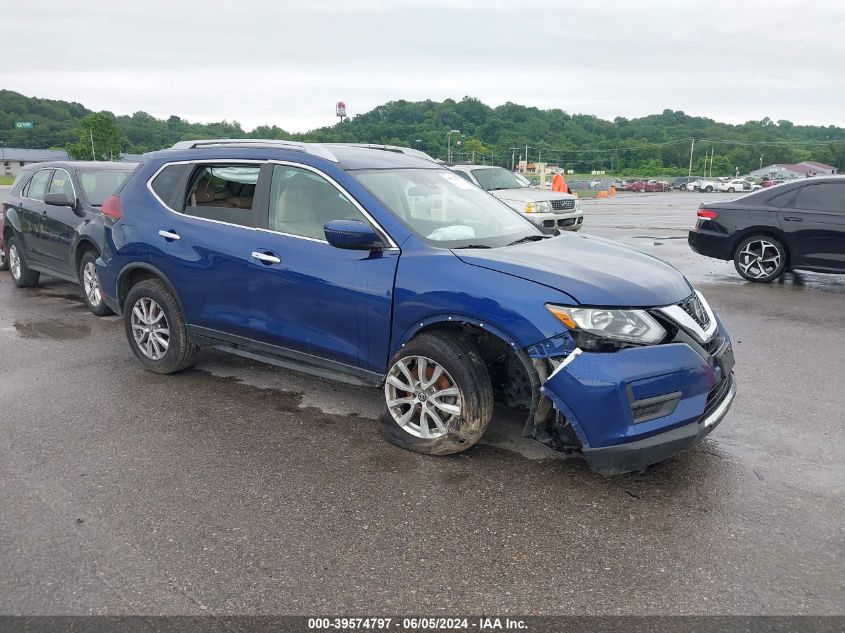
(529, 194)
(593, 271)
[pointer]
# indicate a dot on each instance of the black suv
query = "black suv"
(53, 223)
(799, 224)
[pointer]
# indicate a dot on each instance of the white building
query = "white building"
(786, 171)
(13, 158)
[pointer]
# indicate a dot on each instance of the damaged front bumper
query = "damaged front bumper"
(641, 405)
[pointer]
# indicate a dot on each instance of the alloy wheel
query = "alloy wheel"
(759, 259)
(14, 261)
(422, 397)
(91, 284)
(150, 328)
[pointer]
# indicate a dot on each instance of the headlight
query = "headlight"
(538, 207)
(629, 326)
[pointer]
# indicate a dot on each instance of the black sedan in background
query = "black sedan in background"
(52, 223)
(796, 225)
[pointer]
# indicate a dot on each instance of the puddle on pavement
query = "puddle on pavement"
(50, 330)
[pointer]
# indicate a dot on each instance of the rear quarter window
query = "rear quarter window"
(166, 184)
(20, 182)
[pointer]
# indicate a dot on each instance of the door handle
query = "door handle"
(169, 235)
(266, 258)
(793, 219)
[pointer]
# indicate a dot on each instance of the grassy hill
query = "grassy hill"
(651, 145)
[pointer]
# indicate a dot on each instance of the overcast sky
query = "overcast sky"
(287, 63)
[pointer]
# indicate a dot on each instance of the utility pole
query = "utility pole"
(449, 144)
(513, 158)
(91, 135)
(692, 147)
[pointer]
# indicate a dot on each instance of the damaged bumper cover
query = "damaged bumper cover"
(640, 405)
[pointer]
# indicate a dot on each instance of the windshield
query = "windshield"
(494, 178)
(97, 185)
(444, 209)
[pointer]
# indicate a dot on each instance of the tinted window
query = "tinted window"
(302, 202)
(62, 183)
(224, 193)
(822, 197)
(38, 185)
(166, 182)
(464, 175)
(99, 185)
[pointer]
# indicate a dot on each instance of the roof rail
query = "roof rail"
(410, 151)
(314, 149)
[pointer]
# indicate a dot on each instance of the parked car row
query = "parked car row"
(725, 185)
(644, 186)
(375, 265)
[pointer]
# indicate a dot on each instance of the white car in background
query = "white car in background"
(737, 184)
(546, 209)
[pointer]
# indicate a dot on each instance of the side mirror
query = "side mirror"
(59, 200)
(351, 235)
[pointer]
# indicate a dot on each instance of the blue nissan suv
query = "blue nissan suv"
(375, 265)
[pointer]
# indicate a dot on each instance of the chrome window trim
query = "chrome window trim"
(72, 186)
(48, 183)
(393, 245)
(679, 316)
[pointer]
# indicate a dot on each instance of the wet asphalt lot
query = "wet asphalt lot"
(238, 487)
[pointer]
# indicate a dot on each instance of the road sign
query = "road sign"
(24, 124)
(340, 109)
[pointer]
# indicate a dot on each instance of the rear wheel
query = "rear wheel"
(760, 259)
(708, 189)
(21, 274)
(731, 189)
(90, 284)
(642, 189)
(438, 395)
(4, 259)
(156, 328)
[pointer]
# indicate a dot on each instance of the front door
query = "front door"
(814, 224)
(309, 296)
(59, 225)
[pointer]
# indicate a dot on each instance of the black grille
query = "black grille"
(692, 306)
(565, 204)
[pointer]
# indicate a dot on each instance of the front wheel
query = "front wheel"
(708, 189)
(642, 189)
(21, 274)
(156, 328)
(760, 259)
(731, 189)
(90, 284)
(438, 395)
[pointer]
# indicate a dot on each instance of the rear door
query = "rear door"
(59, 224)
(204, 237)
(33, 213)
(813, 220)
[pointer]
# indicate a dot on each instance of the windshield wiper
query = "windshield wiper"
(473, 246)
(529, 238)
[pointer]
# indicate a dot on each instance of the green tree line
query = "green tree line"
(657, 144)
